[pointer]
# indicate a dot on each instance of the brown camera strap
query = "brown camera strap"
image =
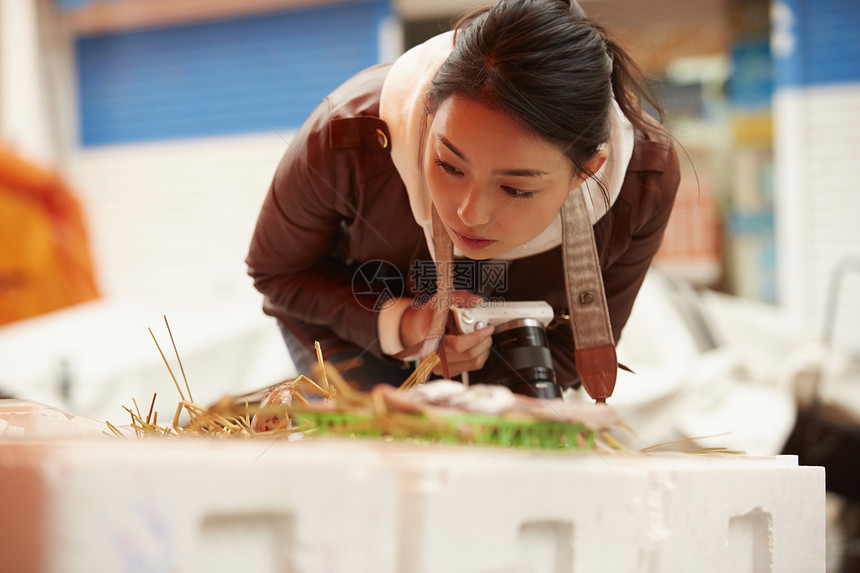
(596, 360)
(444, 251)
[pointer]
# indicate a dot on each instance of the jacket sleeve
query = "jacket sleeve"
(314, 195)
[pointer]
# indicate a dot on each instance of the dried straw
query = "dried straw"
(353, 412)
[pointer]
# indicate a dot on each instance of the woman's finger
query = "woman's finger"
(463, 342)
(473, 357)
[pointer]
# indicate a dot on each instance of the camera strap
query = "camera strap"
(443, 249)
(595, 357)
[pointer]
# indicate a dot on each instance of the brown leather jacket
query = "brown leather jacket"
(337, 201)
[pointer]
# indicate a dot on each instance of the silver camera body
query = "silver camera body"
(496, 313)
(521, 359)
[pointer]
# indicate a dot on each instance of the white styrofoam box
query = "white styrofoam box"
(182, 505)
(196, 504)
(684, 388)
(489, 511)
(28, 419)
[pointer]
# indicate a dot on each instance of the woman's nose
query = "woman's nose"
(475, 208)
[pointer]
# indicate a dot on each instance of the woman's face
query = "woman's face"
(495, 185)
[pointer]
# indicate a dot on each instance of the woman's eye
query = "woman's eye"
(518, 193)
(447, 167)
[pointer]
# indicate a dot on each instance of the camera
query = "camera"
(520, 358)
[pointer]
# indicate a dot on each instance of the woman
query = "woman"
(488, 131)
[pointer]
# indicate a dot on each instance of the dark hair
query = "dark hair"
(548, 66)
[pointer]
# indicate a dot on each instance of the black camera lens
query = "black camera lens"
(521, 360)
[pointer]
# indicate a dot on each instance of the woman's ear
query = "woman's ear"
(594, 164)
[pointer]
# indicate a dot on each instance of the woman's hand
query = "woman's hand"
(463, 352)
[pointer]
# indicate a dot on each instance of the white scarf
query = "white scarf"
(402, 108)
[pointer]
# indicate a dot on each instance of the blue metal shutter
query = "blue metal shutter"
(232, 76)
(69, 5)
(823, 42)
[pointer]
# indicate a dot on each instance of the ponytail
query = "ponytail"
(629, 84)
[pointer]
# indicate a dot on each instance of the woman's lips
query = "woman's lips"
(473, 242)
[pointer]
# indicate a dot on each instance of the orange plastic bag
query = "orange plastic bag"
(45, 261)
